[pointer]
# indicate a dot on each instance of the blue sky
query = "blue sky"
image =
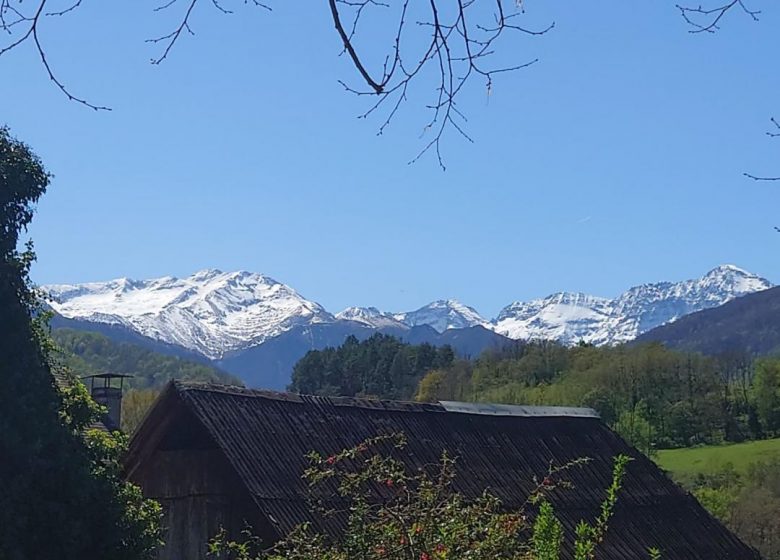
(615, 160)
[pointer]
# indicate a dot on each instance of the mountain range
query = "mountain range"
(750, 324)
(257, 328)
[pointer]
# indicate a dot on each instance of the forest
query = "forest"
(381, 366)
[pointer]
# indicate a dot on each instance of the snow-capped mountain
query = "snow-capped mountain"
(211, 312)
(371, 317)
(570, 318)
(443, 315)
(566, 317)
(221, 314)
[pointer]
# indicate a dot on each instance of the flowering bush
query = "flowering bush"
(390, 513)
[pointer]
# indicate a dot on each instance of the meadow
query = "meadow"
(688, 462)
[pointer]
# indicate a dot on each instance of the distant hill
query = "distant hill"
(267, 365)
(750, 323)
(89, 352)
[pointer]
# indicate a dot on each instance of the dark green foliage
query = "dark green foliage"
(653, 396)
(380, 366)
(87, 352)
(60, 494)
(766, 391)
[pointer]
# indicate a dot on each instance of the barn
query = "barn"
(218, 456)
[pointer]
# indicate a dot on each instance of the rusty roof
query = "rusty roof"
(266, 435)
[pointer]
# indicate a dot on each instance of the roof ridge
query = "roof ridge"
(357, 402)
(454, 407)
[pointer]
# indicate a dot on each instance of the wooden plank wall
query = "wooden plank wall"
(199, 496)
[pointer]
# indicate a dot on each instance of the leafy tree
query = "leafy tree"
(636, 429)
(655, 397)
(748, 503)
(755, 517)
(449, 384)
(381, 366)
(61, 493)
(766, 391)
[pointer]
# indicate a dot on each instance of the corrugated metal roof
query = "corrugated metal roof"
(265, 437)
(517, 410)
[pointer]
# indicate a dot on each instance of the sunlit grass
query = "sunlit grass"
(684, 463)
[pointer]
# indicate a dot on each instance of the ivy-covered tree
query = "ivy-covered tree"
(61, 492)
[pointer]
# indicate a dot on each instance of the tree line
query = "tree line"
(381, 366)
(653, 396)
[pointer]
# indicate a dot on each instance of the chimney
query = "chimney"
(106, 390)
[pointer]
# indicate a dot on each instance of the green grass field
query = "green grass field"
(685, 463)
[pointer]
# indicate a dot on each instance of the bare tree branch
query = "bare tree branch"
(458, 47)
(707, 20)
(771, 134)
(454, 38)
(33, 33)
(66, 10)
(173, 36)
(346, 39)
(756, 178)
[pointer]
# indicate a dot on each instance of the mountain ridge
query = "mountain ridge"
(748, 324)
(219, 315)
(573, 317)
(210, 312)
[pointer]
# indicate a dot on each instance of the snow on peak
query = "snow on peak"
(214, 313)
(730, 278)
(570, 318)
(211, 312)
(563, 316)
(443, 315)
(206, 274)
(728, 269)
(370, 316)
